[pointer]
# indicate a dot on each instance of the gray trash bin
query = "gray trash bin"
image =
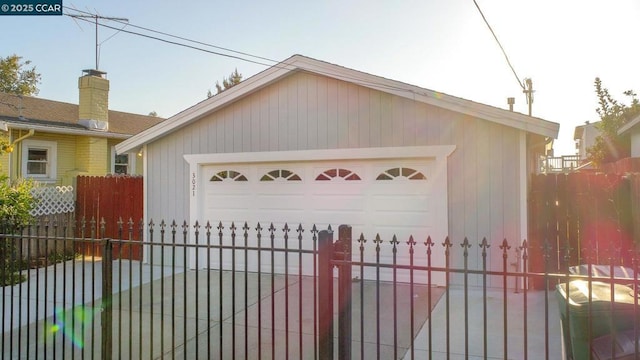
(575, 321)
(620, 272)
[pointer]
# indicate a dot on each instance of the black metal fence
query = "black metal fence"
(227, 292)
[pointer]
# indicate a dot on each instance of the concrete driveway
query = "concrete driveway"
(159, 312)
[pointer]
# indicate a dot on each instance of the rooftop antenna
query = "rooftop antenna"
(96, 17)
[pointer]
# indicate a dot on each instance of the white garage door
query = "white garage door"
(376, 197)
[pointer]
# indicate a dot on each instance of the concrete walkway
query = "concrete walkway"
(159, 312)
(536, 337)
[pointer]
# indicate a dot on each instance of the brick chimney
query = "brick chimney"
(94, 100)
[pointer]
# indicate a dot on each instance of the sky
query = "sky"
(441, 45)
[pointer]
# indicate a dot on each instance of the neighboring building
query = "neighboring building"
(633, 130)
(311, 142)
(53, 142)
(585, 137)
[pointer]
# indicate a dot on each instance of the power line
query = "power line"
(88, 14)
(276, 64)
(239, 56)
(170, 41)
(500, 45)
(526, 89)
(203, 43)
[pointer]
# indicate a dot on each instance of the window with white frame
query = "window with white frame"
(122, 163)
(39, 160)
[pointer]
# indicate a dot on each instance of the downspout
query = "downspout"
(12, 145)
(28, 135)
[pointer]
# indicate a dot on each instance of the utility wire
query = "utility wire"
(175, 36)
(500, 45)
(171, 42)
(276, 64)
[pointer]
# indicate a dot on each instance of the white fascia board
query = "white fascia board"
(515, 120)
(438, 152)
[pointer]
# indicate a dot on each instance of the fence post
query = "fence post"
(343, 252)
(325, 294)
(107, 306)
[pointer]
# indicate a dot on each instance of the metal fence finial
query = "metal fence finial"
(361, 239)
(504, 247)
(465, 246)
(525, 249)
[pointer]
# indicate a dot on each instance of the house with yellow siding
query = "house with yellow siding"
(52, 142)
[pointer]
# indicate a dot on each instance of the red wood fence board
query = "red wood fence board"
(111, 200)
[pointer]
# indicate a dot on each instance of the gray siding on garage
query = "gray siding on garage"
(307, 111)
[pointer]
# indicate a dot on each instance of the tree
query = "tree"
(16, 199)
(609, 146)
(153, 113)
(234, 79)
(16, 78)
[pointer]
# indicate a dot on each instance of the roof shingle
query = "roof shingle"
(43, 110)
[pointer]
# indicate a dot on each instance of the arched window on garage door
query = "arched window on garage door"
(401, 173)
(228, 175)
(334, 174)
(282, 174)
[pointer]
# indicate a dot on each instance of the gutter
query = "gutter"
(66, 131)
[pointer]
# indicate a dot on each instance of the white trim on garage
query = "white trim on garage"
(440, 152)
(523, 182)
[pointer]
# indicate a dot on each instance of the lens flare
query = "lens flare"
(71, 323)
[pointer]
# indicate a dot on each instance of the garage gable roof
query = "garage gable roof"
(303, 63)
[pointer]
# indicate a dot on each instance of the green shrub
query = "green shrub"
(16, 202)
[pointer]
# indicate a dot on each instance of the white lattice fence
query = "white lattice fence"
(53, 200)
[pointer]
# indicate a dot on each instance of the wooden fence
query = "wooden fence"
(581, 218)
(117, 200)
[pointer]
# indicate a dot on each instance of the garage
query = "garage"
(315, 116)
(378, 191)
